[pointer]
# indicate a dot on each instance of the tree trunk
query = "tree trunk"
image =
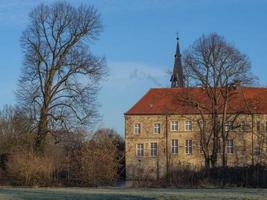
(41, 132)
(207, 162)
(214, 155)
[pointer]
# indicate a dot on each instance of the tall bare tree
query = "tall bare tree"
(59, 80)
(216, 66)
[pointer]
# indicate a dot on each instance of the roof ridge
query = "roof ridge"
(165, 100)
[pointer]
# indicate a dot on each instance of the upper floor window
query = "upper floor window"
(174, 125)
(140, 150)
(230, 146)
(201, 124)
(243, 126)
(137, 128)
(188, 125)
(157, 128)
(174, 146)
(229, 126)
(258, 125)
(188, 146)
(154, 149)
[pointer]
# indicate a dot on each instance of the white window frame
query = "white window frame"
(230, 146)
(201, 123)
(139, 150)
(188, 147)
(188, 125)
(175, 146)
(153, 149)
(174, 124)
(157, 128)
(228, 126)
(137, 128)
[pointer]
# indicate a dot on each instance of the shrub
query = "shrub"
(95, 164)
(30, 169)
(247, 176)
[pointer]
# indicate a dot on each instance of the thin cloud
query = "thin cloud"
(130, 73)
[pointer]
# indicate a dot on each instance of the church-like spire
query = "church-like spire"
(177, 78)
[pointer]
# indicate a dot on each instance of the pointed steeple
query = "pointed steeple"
(177, 78)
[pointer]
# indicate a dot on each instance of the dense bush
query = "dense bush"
(29, 169)
(69, 158)
(94, 164)
(249, 176)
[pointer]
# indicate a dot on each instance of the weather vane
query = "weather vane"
(177, 35)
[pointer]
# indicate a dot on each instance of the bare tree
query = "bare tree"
(215, 65)
(15, 130)
(110, 135)
(59, 80)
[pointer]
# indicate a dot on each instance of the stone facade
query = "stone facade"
(249, 143)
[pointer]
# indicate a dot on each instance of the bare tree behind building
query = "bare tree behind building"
(219, 68)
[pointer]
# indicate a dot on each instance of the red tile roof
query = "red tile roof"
(173, 101)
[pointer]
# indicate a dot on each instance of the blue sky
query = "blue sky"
(138, 42)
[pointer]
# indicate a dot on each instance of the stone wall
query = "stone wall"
(147, 166)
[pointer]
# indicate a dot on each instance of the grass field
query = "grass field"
(8, 193)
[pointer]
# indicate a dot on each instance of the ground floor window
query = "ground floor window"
(153, 149)
(188, 146)
(140, 150)
(230, 146)
(174, 146)
(257, 151)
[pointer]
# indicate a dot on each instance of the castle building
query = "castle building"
(162, 132)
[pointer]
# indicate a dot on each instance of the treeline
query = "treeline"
(69, 158)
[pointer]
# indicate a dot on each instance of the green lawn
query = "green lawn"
(9, 193)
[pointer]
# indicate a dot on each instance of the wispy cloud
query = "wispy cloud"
(126, 83)
(131, 72)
